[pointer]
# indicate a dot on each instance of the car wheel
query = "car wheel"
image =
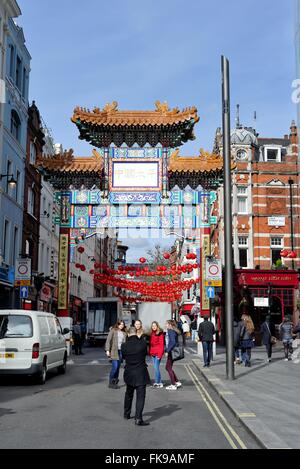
(42, 376)
(63, 368)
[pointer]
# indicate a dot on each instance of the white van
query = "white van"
(31, 343)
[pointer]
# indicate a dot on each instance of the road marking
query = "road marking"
(246, 414)
(216, 413)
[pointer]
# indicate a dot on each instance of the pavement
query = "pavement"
(77, 410)
(265, 397)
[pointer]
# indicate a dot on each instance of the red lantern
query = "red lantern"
(143, 260)
(92, 271)
(166, 255)
(80, 249)
(82, 268)
(284, 253)
(292, 255)
(77, 266)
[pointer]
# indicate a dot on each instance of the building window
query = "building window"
(24, 83)
(276, 248)
(33, 153)
(15, 125)
(12, 61)
(243, 251)
(30, 205)
(273, 154)
(18, 186)
(242, 199)
(19, 73)
(15, 245)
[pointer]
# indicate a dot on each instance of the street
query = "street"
(79, 411)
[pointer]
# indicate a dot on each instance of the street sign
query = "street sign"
(261, 302)
(23, 293)
(22, 283)
(213, 283)
(210, 291)
(23, 270)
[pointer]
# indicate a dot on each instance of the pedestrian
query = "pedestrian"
(237, 325)
(185, 320)
(139, 330)
(268, 336)
(247, 335)
(286, 333)
(206, 334)
(136, 375)
(116, 337)
(77, 338)
(156, 351)
(194, 328)
(172, 340)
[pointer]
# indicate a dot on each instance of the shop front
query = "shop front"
(263, 292)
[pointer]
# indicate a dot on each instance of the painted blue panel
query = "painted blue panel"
(135, 198)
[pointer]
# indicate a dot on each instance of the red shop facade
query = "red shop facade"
(263, 292)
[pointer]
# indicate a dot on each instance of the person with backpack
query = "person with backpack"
(206, 334)
(268, 336)
(156, 351)
(172, 341)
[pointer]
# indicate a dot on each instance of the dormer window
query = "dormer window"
(272, 154)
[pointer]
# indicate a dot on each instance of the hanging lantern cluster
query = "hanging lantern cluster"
(288, 254)
(191, 256)
(135, 271)
(81, 267)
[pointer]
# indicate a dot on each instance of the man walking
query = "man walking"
(206, 333)
(77, 338)
(136, 375)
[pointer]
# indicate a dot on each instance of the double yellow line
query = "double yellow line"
(231, 436)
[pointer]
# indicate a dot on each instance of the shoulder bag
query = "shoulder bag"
(273, 339)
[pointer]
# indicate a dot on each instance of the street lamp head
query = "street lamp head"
(12, 183)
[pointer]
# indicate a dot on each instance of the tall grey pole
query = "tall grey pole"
(227, 220)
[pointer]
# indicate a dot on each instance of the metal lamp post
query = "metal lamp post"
(227, 220)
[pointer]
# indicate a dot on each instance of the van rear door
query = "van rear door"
(16, 334)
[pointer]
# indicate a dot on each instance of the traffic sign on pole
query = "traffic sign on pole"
(213, 272)
(23, 293)
(210, 292)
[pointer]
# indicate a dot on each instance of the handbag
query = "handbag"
(273, 339)
(177, 353)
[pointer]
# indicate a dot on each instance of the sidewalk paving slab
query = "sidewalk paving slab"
(264, 398)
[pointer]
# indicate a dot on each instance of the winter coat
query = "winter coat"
(237, 326)
(171, 340)
(286, 330)
(206, 331)
(268, 331)
(111, 344)
(134, 352)
(157, 345)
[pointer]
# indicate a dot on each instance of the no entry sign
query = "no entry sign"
(213, 272)
(23, 272)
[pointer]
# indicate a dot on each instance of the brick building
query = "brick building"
(265, 211)
(32, 188)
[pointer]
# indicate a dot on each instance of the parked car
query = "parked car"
(31, 343)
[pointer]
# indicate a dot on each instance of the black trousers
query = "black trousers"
(269, 350)
(140, 400)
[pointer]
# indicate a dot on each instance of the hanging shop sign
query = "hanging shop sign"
(63, 272)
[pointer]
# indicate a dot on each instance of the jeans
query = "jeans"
(207, 352)
(194, 335)
(236, 352)
(156, 364)
(115, 368)
(169, 368)
(288, 348)
(246, 355)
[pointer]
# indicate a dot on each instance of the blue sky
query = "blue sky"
(135, 52)
(90, 53)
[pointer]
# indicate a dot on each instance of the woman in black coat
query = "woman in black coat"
(268, 331)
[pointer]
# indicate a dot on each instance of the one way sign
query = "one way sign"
(210, 291)
(23, 293)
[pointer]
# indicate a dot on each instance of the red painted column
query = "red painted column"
(63, 272)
